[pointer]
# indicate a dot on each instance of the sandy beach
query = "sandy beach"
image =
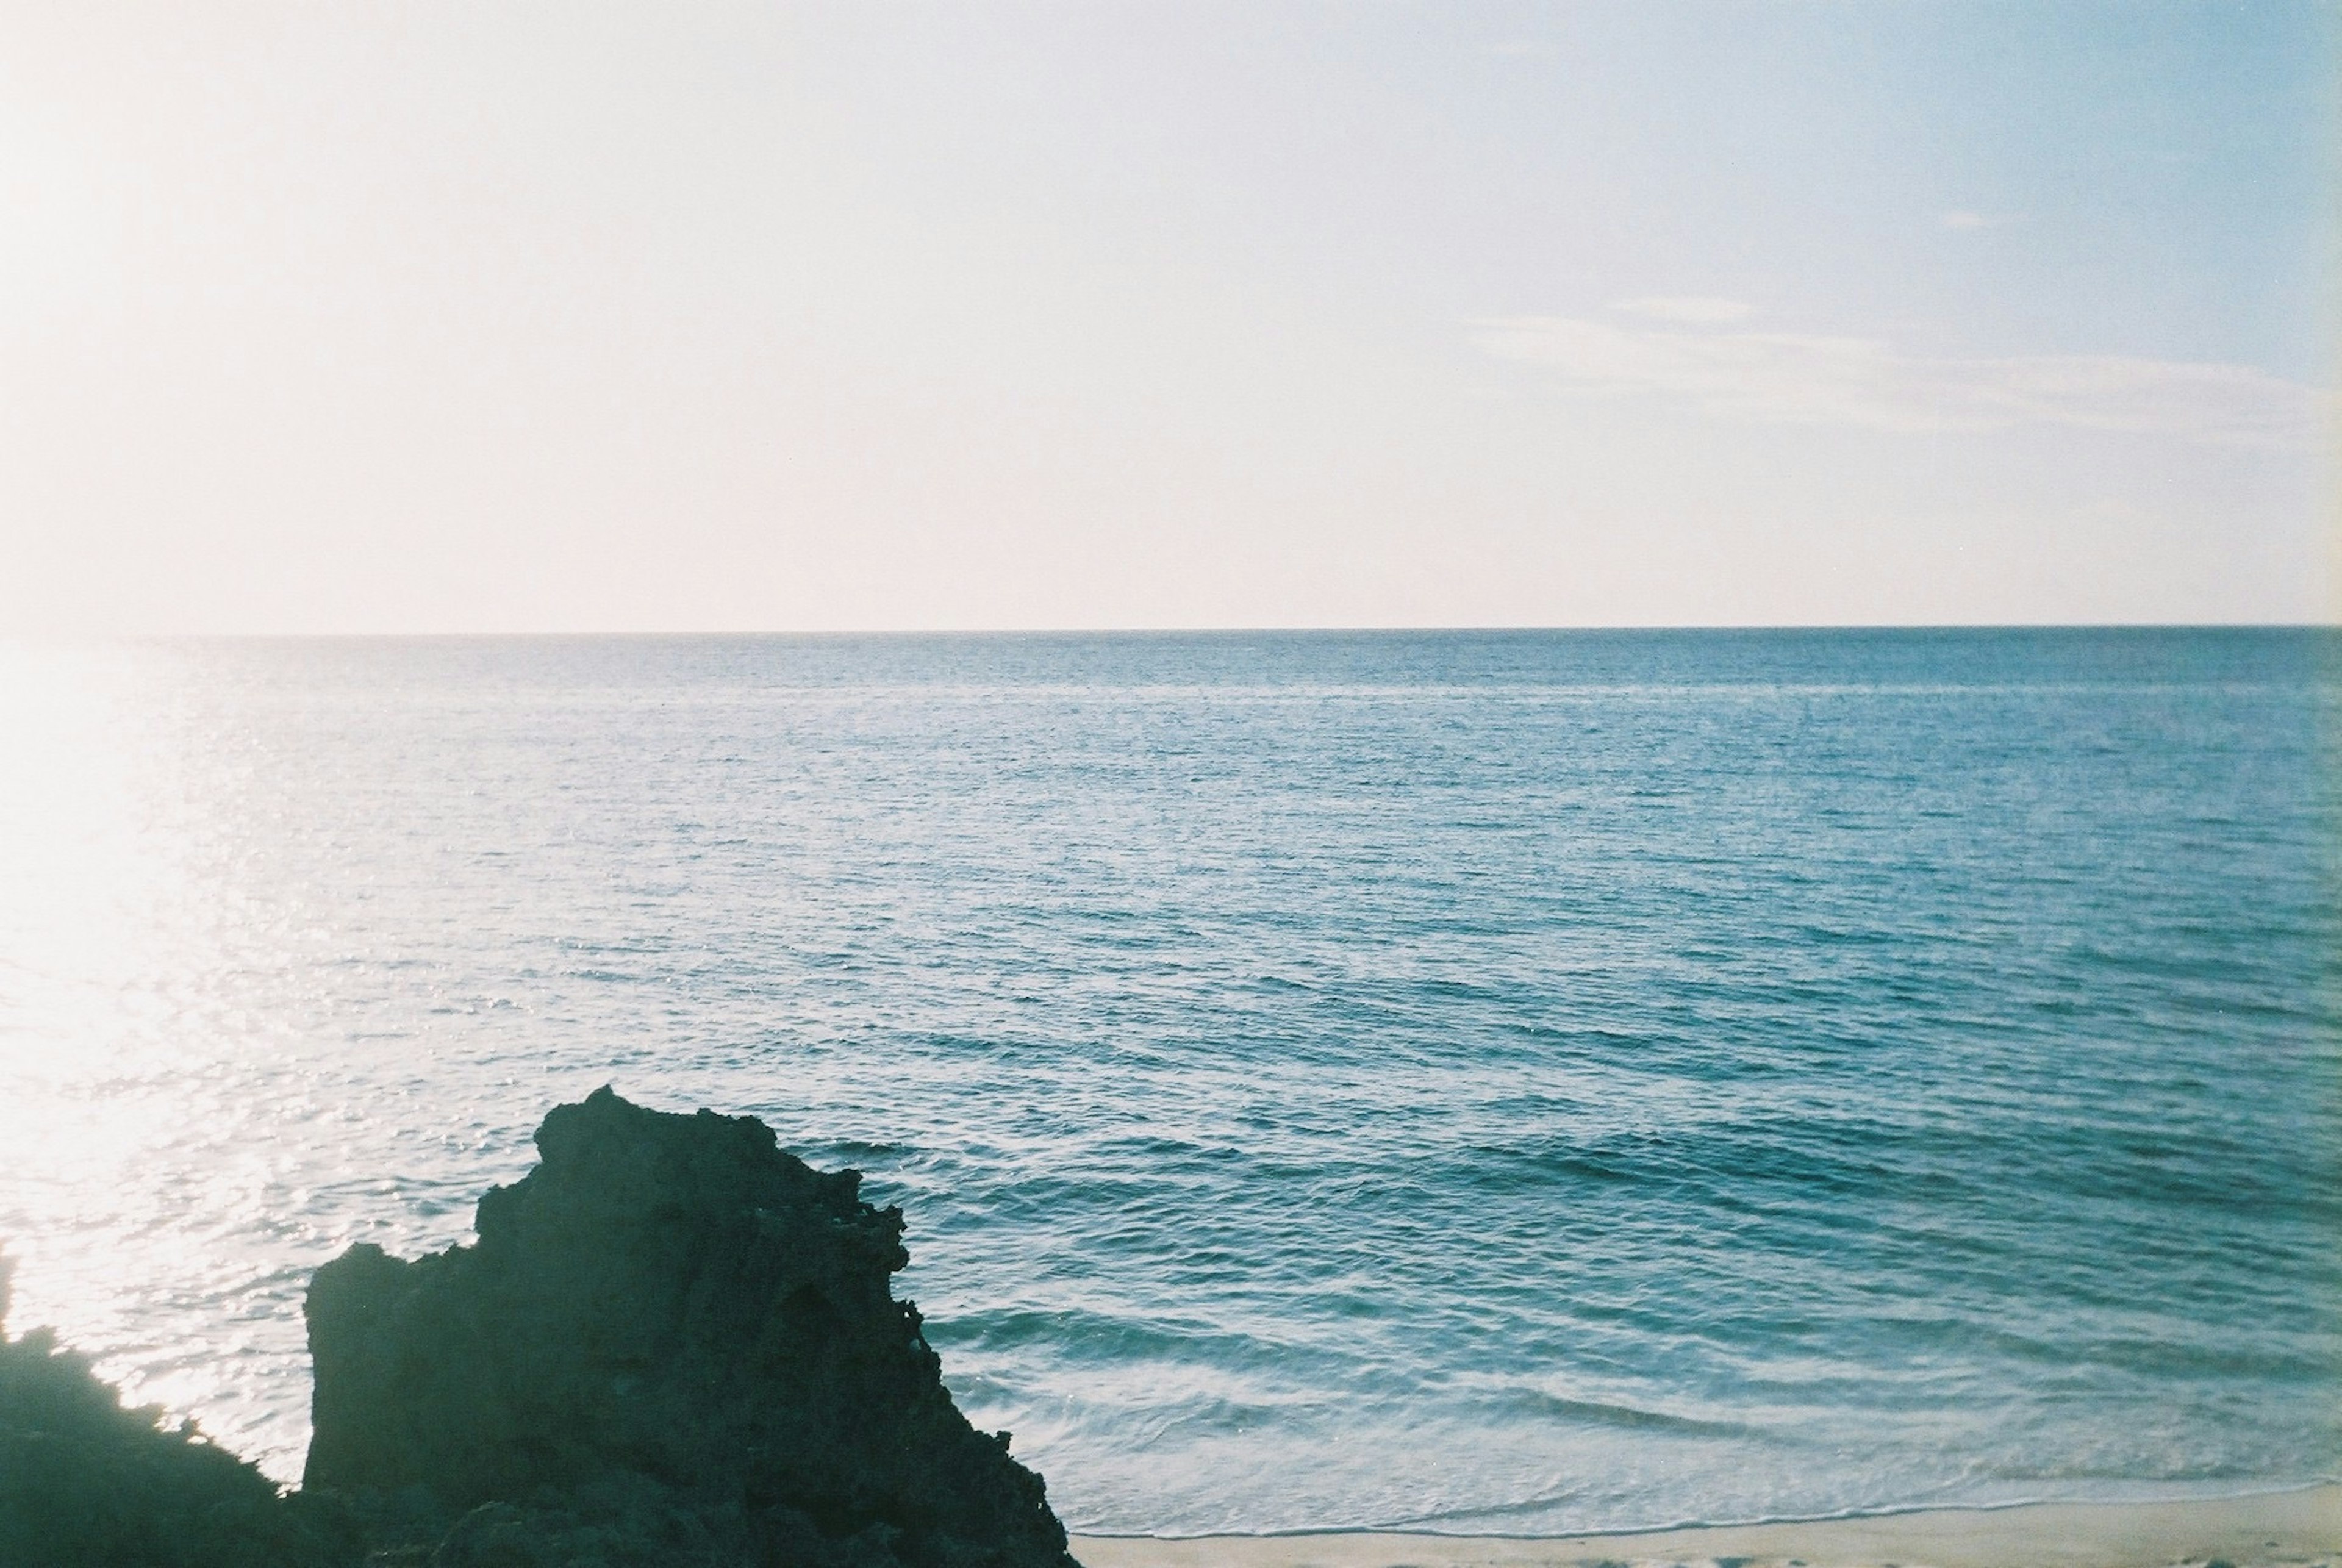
(2301, 1527)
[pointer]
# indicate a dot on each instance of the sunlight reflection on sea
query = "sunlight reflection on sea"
(1506, 1081)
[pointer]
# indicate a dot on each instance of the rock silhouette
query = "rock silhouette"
(674, 1342)
(87, 1483)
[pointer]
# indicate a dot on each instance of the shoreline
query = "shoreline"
(2302, 1525)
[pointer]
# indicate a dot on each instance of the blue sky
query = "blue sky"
(438, 317)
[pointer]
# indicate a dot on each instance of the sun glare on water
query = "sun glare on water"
(102, 974)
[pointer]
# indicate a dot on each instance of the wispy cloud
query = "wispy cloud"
(1796, 378)
(1683, 307)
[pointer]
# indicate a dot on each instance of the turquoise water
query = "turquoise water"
(1517, 1082)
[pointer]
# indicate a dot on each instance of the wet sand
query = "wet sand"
(2290, 1528)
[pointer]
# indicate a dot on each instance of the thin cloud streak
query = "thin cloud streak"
(1683, 307)
(1868, 383)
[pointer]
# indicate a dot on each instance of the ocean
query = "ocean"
(1480, 1082)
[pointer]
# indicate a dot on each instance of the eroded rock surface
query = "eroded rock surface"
(673, 1342)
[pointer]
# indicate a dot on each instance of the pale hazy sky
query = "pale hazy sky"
(481, 316)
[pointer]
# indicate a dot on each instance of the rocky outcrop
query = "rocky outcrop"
(87, 1483)
(673, 1343)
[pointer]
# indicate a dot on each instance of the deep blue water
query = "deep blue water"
(1516, 1082)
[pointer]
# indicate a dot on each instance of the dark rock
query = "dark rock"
(85, 1482)
(673, 1343)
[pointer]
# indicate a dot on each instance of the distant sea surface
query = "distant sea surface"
(1476, 1082)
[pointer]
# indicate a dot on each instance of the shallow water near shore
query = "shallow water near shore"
(1513, 1082)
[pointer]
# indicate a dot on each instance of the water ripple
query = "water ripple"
(1521, 1082)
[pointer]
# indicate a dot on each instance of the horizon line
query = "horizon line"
(1426, 629)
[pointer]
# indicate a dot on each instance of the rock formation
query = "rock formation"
(86, 1483)
(673, 1343)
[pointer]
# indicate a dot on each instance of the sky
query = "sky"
(467, 317)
